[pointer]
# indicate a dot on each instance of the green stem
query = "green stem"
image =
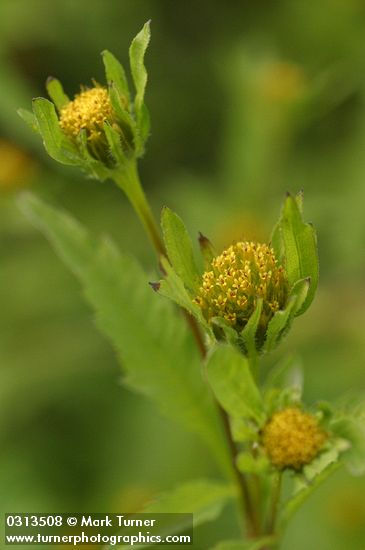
(128, 180)
(275, 500)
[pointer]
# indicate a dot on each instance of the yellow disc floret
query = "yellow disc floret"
(89, 110)
(236, 279)
(292, 438)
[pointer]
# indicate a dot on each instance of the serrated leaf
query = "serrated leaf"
(55, 142)
(354, 432)
(179, 249)
(300, 245)
(156, 349)
(115, 74)
(56, 93)
(29, 118)
(232, 383)
(137, 52)
(257, 544)
(205, 499)
(248, 334)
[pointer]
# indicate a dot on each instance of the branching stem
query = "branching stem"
(128, 181)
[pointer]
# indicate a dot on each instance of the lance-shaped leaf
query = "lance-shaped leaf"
(179, 249)
(281, 321)
(55, 142)
(248, 334)
(232, 383)
(297, 241)
(56, 93)
(137, 52)
(115, 144)
(156, 348)
(115, 74)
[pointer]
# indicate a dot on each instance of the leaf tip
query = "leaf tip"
(155, 285)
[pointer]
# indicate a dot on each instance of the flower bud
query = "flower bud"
(237, 278)
(292, 438)
(89, 111)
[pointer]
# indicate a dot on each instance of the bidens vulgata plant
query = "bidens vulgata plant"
(202, 369)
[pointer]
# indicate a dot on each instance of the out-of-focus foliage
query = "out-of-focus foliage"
(247, 100)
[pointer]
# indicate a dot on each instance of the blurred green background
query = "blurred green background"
(247, 100)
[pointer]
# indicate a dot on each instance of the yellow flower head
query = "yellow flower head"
(89, 110)
(236, 279)
(292, 438)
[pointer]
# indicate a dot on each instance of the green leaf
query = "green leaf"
(248, 334)
(115, 75)
(125, 118)
(114, 142)
(156, 349)
(281, 321)
(137, 52)
(55, 142)
(56, 93)
(207, 250)
(205, 499)
(230, 334)
(179, 249)
(173, 288)
(257, 544)
(89, 164)
(232, 383)
(243, 430)
(299, 243)
(29, 118)
(353, 432)
(143, 130)
(248, 464)
(301, 496)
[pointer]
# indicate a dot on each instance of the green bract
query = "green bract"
(295, 248)
(123, 134)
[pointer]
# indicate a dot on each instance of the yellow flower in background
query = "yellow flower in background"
(292, 438)
(243, 273)
(16, 167)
